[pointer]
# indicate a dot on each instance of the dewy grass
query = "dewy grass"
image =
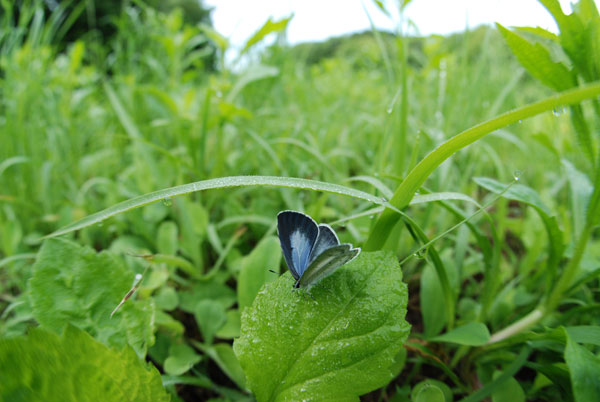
(84, 128)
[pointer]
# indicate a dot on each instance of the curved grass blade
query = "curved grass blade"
(222, 182)
(417, 176)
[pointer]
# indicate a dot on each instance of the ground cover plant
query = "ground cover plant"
(140, 182)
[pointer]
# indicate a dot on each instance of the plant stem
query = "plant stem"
(524, 323)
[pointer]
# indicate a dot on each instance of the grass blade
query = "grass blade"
(415, 179)
(222, 182)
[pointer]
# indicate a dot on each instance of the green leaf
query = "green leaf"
(166, 239)
(500, 380)
(530, 197)
(232, 326)
(432, 301)
(538, 61)
(297, 347)
(223, 182)
(589, 334)
(471, 334)
(580, 193)
(167, 298)
(584, 368)
(210, 317)
(44, 366)
(255, 270)
(210, 290)
(510, 391)
(429, 393)
(223, 355)
(254, 73)
(268, 27)
(181, 359)
(75, 285)
(417, 176)
(435, 385)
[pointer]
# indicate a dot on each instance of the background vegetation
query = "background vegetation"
(95, 111)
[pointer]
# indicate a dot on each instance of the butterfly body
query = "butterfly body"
(311, 251)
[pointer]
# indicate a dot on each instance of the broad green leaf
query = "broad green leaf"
(471, 334)
(538, 62)
(269, 27)
(44, 366)
(210, 317)
(255, 270)
(584, 368)
(296, 347)
(181, 359)
(166, 241)
(75, 285)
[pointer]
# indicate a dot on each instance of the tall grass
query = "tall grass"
(89, 127)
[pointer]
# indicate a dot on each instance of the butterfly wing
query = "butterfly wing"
(325, 240)
(326, 263)
(297, 234)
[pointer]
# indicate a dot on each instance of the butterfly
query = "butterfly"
(311, 251)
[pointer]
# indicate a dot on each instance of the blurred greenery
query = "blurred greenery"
(103, 101)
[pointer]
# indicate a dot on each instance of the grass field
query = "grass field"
(465, 167)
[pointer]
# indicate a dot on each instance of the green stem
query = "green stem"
(524, 323)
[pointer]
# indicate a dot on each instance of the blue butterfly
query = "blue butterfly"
(311, 251)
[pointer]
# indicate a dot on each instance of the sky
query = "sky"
(316, 20)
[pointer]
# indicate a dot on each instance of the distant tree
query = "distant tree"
(96, 17)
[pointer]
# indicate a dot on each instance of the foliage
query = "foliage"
(320, 347)
(147, 163)
(74, 367)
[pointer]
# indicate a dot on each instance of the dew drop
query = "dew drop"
(390, 110)
(167, 202)
(384, 199)
(517, 174)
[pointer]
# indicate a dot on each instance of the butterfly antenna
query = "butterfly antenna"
(421, 250)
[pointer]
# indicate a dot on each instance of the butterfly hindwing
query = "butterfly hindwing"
(326, 263)
(326, 239)
(297, 233)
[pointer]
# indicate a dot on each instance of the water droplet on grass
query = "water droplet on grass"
(517, 174)
(167, 202)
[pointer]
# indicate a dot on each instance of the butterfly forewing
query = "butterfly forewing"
(297, 233)
(326, 263)
(325, 240)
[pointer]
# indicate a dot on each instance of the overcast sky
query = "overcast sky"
(320, 19)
